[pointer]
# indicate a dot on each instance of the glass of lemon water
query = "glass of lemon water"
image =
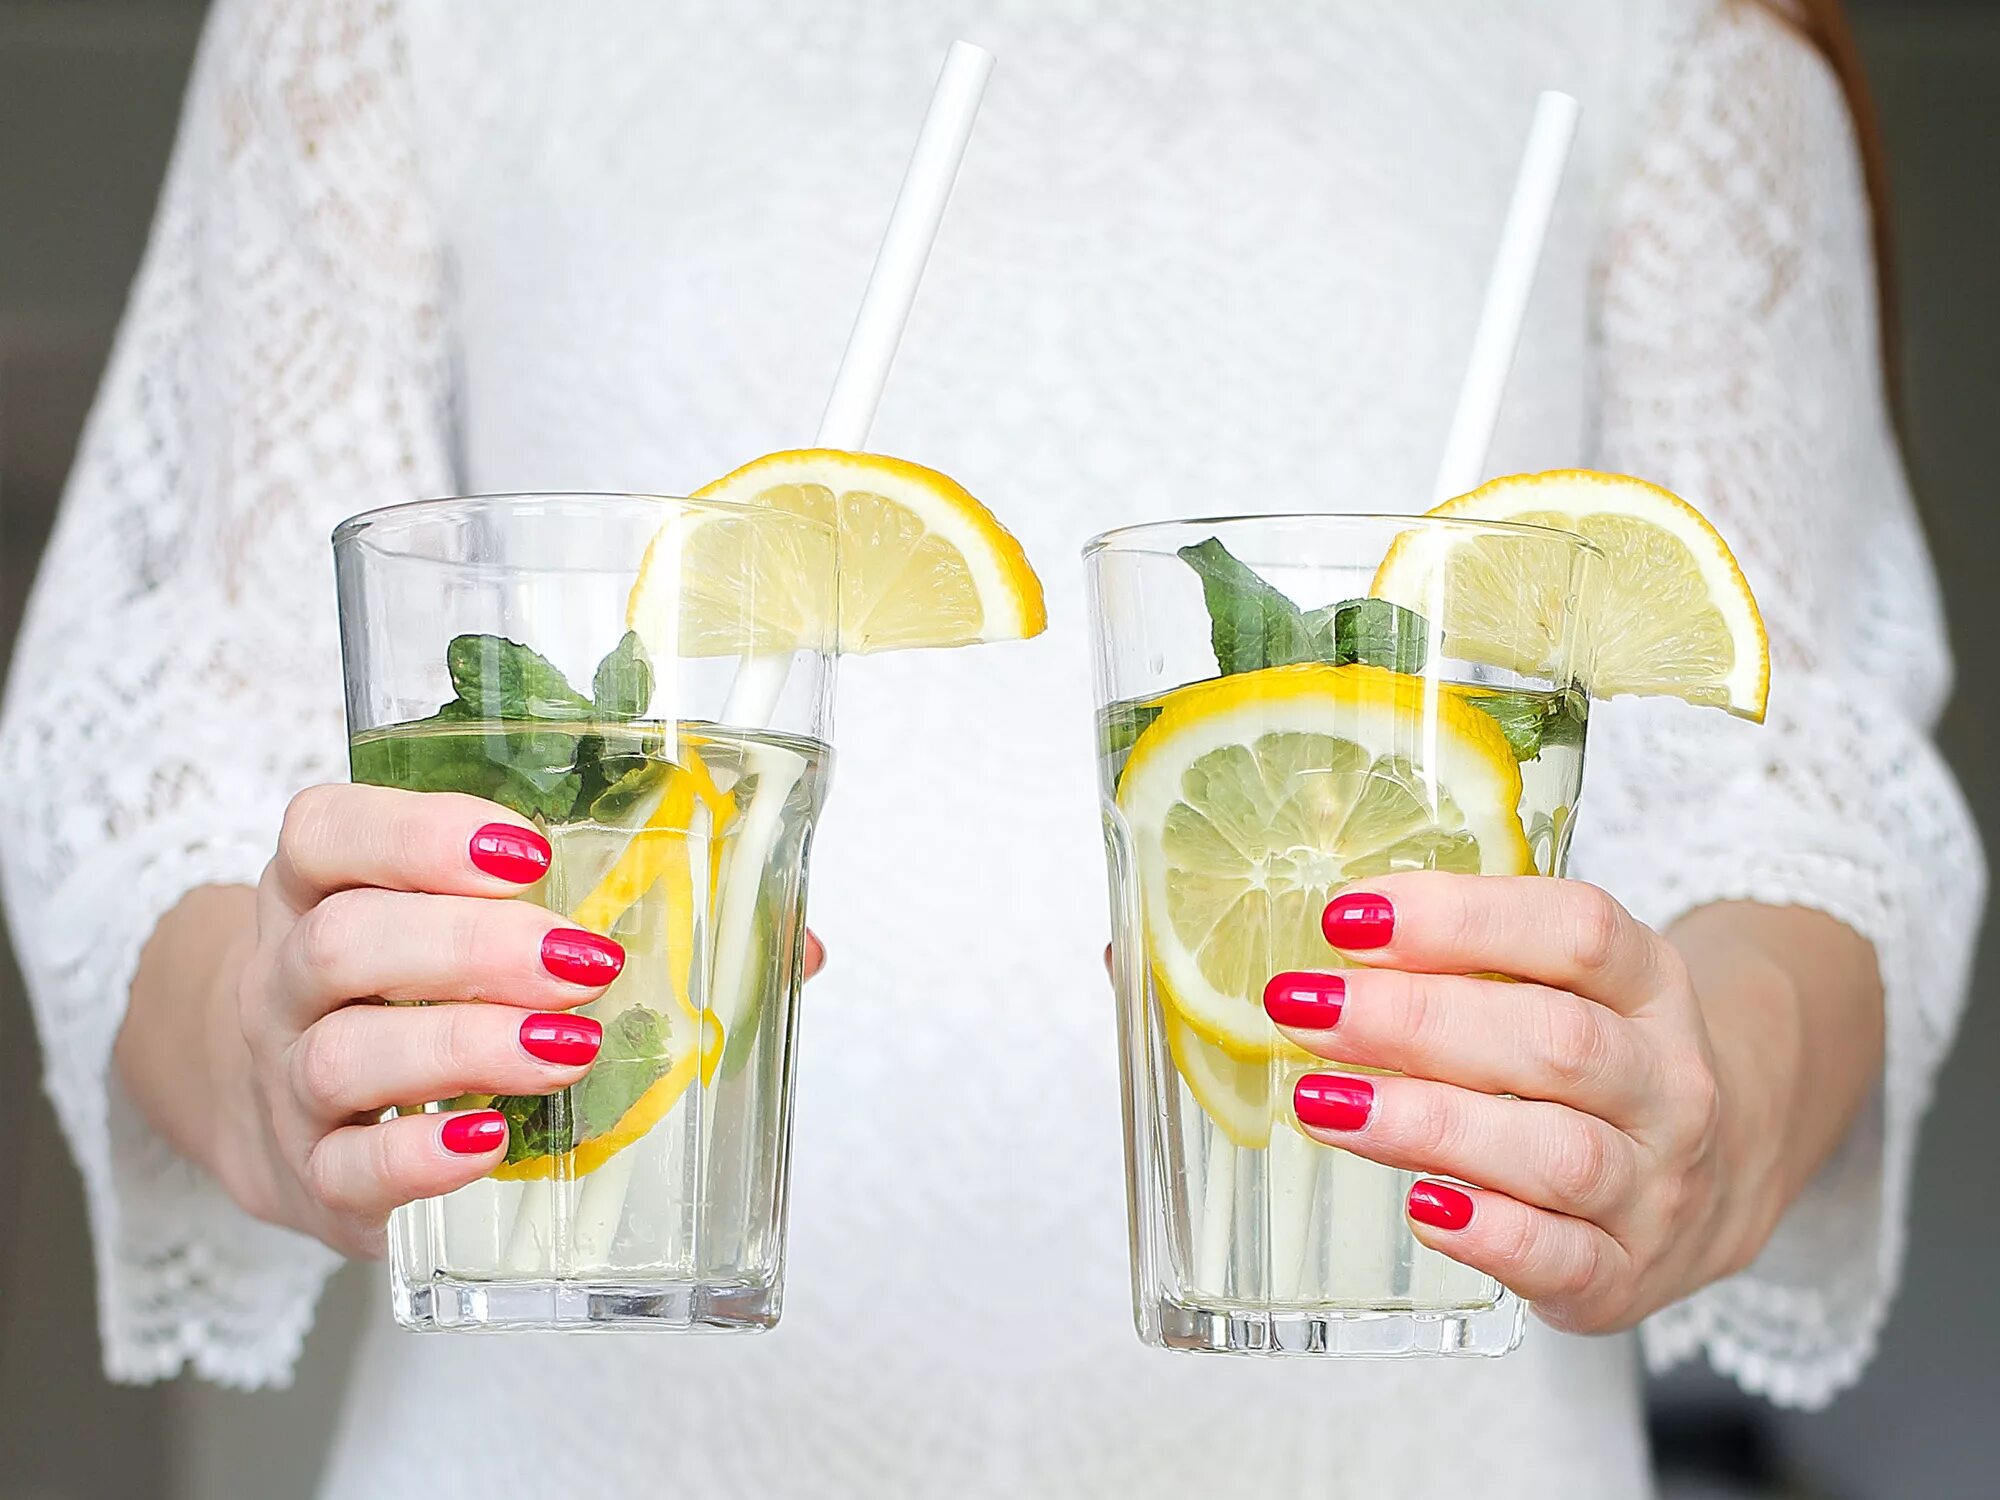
(607, 667)
(1288, 704)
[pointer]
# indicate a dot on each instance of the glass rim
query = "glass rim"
(1134, 539)
(404, 513)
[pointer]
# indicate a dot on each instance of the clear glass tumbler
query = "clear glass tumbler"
(1287, 705)
(648, 680)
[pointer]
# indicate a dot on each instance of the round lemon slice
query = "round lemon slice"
(1671, 614)
(921, 562)
(1252, 798)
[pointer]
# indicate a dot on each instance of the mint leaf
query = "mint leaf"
(1251, 624)
(501, 679)
(1120, 725)
(623, 685)
(1376, 633)
(632, 1058)
(1533, 721)
(530, 772)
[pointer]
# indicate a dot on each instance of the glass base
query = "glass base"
(448, 1305)
(1342, 1333)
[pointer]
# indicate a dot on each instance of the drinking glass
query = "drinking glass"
(1268, 733)
(671, 743)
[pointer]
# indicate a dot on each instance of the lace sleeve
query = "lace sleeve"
(280, 364)
(1740, 367)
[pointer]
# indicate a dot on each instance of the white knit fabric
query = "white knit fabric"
(1203, 258)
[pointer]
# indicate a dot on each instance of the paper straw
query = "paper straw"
(1507, 288)
(906, 248)
(885, 309)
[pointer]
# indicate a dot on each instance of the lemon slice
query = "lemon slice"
(1253, 797)
(921, 563)
(1671, 614)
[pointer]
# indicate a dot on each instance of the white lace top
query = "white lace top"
(1202, 258)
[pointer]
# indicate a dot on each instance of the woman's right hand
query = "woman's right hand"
(377, 895)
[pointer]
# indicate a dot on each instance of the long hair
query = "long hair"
(1824, 23)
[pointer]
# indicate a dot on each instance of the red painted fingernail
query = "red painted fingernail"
(581, 957)
(1333, 1103)
(563, 1040)
(1439, 1206)
(474, 1134)
(1358, 920)
(509, 853)
(1310, 1002)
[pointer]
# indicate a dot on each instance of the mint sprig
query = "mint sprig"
(515, 734)
(1253, 625)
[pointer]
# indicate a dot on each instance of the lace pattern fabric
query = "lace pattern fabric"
(280, 365)
(286, 360)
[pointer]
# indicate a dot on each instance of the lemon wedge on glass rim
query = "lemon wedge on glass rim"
(1252, 798)
(921, 563)
(1671, 613)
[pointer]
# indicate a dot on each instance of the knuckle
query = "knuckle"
(325, 1182)
(330, 932)
(1573, 1043)
(1596, 925)
(320, 1066)
(1511, 1242)
(455, 1042)
(309, 823)
(1433, 1127)
(1419, 1014)
(1581, 1168)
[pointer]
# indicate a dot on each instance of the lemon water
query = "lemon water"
(653, 1190)
(1248, 1233)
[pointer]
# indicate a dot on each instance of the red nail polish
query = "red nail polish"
(1310, 1002)
(581, 957)
(1358, 920)
(509, 853)
(474, 1134)
(1333, 1103)
(563, 1040)
(1439, 1206)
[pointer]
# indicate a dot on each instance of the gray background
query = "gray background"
(88, 95)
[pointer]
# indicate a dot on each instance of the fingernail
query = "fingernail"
(1333, 1103)
(1310, 1002)
(1358, 920)
(563, 1040)
(581, 957)
(507, 852)
(474, 1134)
(1440, 1206)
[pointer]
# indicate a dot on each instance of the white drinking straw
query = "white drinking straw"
(1507, 288)
(760, 680)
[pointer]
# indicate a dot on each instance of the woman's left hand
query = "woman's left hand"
(1606, 1186)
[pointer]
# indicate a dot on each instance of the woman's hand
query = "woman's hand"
(1611, 1184)
(375, 895)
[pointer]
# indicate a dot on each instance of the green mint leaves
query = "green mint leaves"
(1253, 625)
(516, 734)
(501, 679)
(623, 685)
(632, 1059)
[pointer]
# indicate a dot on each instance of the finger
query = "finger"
(1562, 933)
(363, 1171)
(392, 945)
(815, 954)
(1484, 1034)
(1546, 1155)
(1572, 1271)
(336, 838)
(367, 1058)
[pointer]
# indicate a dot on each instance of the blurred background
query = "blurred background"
(89, 92)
